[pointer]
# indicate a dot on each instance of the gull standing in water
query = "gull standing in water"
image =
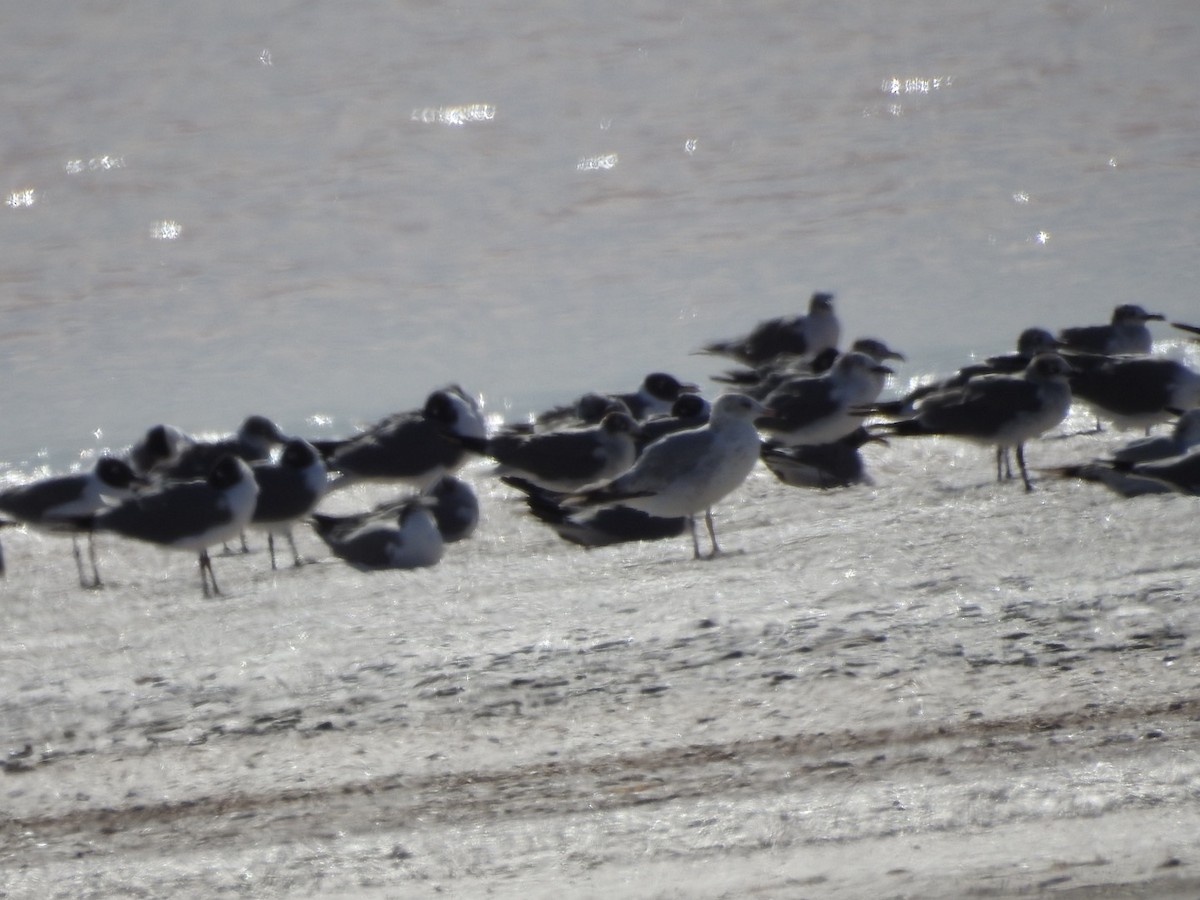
(687, 472)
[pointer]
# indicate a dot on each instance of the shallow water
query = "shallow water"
(920, 687)
(296, 211)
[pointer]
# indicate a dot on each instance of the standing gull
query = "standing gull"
(1126, 333)
(57, 503)
(997, 410)
(805, 335)
(254, 440)
(287, 492)
(1134, 391)
(823, 408)
(567, 460)
(687, 472)
(189, 515)
(415, 448)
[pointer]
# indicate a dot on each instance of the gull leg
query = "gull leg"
(712, 533)
(695, 539)
(296, 560)
(92, 557)
(207, 574)
(271, 547)
(1021, 463)
(78, 560)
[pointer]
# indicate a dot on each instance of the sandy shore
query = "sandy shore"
(930, 688)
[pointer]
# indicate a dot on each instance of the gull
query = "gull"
(804, 336)
(254, 440)
(836, 464)
(158, 448)
(288, 490)
(759, 381)
(1185, 435)
(687, 472)
(1178, 475)
(57, 503)
(188, 515)
(1030, 343)
(1001, 411)
(689, 411)
(1135, 391)
(654, 396)
(415, 448)
(1190, 329)
(823, 408)
(455, 508)
(408, 540)
(599, 527)
(567, 460)
(1126, 333)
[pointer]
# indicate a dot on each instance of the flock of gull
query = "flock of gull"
(612, 468)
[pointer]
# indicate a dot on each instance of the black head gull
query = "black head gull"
(408, 540)
(1179, 475)
(1185, 434)
(415, 448)
(836, 464)
(189, 515)
(1126, 333)
(58, 503)
(569, 460)
(254, 440)
(1135, 391)
(288, 490)
(804, 336)
(596, 527)
(822, 408)
(1001, 411)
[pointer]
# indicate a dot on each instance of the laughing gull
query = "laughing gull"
(1135, 391)
(1030, 343)
(58, 502)
(288, 490)
(836, 464)
(657, 392)
(189, 515)
(1127, 333)
(689, 411)
(588, 410)
(687, 472)
(159, 448)
(1185, 435)
(254, 440)
(821, 408)
(1190, 329)
(569, 460)
(759, 381)
(1000, 411)
(415, 448)
(455, 508)
(601, 527)
(804, 336)
(408, 540)
(1178, 475)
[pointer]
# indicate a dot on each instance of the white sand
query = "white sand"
(935, 687)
